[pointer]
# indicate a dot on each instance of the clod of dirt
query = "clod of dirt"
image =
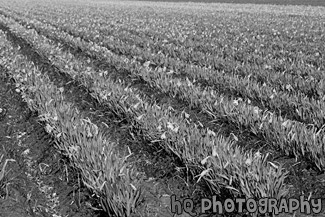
(3, 113)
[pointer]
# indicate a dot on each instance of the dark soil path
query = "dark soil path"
(39, 182)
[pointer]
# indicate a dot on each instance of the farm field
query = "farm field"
(270, 2)
(109, 108)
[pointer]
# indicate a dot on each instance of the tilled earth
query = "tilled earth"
(38, 181)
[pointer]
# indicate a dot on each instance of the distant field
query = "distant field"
(143, 100)
(275, 2)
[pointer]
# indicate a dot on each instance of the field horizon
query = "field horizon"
(270, 2)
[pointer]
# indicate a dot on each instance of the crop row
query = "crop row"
(288, 69)
(292, 137)
(207, 155)
(103, 170)
(295, 106)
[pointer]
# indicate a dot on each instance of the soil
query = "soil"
(39, 182)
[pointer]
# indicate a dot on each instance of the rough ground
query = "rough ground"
(39, 182)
